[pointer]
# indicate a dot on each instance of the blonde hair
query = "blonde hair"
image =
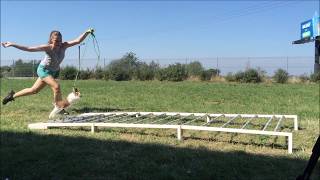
(54, 33)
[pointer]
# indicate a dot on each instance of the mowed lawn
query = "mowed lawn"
(120, 153)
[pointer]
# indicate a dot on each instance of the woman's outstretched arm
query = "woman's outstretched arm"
(26, 48)
(79, 39)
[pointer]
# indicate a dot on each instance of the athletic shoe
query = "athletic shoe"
(56, 110)
(8, 98)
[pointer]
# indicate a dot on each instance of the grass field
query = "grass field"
(119, 153)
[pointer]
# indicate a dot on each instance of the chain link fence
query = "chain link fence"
(295, 66)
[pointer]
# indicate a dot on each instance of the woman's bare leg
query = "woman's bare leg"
(57, 95)
(37, 86)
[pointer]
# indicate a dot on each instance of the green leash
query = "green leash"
(97, 51)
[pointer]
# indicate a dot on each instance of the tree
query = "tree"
(194, 68)
(123, 69)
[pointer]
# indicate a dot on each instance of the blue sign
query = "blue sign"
(307, 29)
(316, 26)
(310, 29)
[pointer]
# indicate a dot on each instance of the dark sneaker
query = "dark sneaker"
(8, 98)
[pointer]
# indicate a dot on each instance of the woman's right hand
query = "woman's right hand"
(90, 30)
(6, 44)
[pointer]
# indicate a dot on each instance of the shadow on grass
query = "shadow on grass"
(97, 109)
(35, 156)
(275, 144)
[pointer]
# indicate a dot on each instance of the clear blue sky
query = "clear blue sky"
(161, 29)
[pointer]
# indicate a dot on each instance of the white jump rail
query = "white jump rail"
(173, 120)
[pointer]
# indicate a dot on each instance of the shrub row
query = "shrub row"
(256, 76)
(130, 68)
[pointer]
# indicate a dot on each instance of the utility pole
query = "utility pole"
(218, 65)
(317, 55)
(287, 65)
(79, 57)
(13, 68)
(33, 69)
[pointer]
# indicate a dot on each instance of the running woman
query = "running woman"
(48, 69)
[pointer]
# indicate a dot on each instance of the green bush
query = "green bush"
(206, 75)
(315, 77)
(68, 73)
(251, 76)
(161, 74)
(99, 73)
(119, 74)
(262, 73)
(86, 74)
(248, 76)
(238, 76)
(281, 76)
(6, 71)
(176, 72)
(123, 69)
(106, 75)
(144, 73)
(194, 69)
(25, 68)
(304, 78)
(230, 77)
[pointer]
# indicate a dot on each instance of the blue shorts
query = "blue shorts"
(43, 72)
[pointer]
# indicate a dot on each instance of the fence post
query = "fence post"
(13, 67)
(287, 64)
(33, 69)
(218, 66)
(248, 64)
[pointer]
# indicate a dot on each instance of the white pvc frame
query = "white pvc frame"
(179, 127)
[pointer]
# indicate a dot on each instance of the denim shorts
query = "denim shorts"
(43, 72)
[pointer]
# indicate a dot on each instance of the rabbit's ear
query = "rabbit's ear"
(75, 90)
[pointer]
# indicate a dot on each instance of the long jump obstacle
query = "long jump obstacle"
(259, 124)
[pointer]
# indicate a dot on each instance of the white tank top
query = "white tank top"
(53, 59)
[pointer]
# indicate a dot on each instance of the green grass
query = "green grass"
(147, 153)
